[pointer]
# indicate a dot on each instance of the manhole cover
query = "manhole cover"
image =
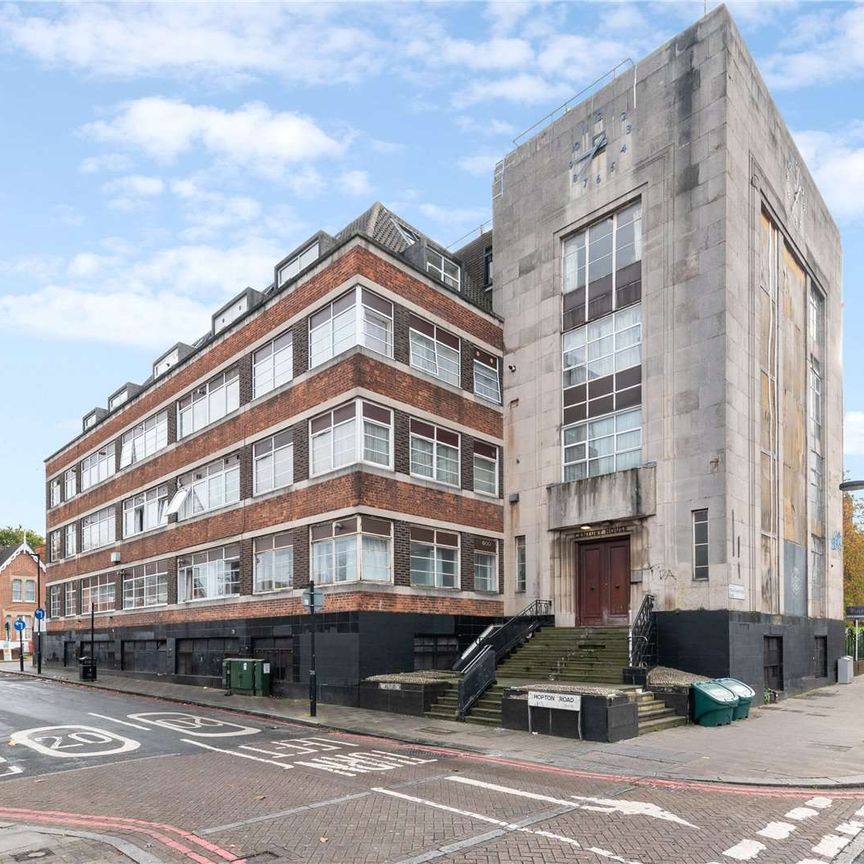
(33, 855)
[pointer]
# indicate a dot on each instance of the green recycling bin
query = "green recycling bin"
(745, 694)
(713, 704)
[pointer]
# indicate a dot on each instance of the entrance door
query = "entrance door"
(603, 582)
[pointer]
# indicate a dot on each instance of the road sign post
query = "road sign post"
(314, 600)
(19, 626)
(39, 614)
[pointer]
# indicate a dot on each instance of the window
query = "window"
(97, 592)
(817, 576)
(71, 539)
(231, 314)
(434, 558)
(55, 492)
(442, 268)
(603, 446)
(16, 590)
(434, 453)
(274, 562)
(146, 585)
(210, 487)
(298, 262)
(700, 544)
(485, 469)
(435, 652)
(211, 574)
(601, 363)
(486, 383)
(406, 233)
(487, 268)
(434, 351)
(209, 402)
(273, 462)
(144, 440)
(358, 317)
(71, 598)
(97, 529)
(603, 267)
(97, 466)
(163, 364)
(521, 565)
(485, 565)
(70, 482)
(54, 601)
(55, 547)
(273, 365)
(338, 438)
(29, 591)
(356, 548)
(145, 511)
(205, 656)
(118, 399)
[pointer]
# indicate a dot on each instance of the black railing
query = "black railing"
(477, 677)
(643, 635)
(504, 638)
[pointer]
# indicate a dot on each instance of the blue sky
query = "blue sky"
(156, 159)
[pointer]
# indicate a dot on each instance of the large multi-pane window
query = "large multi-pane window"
(298, 262)
(71, 605)
(55, 492)
(486, 381)
(98, 529)
(210, 487)
(145, 439)
(434, 453)
(434, 351)
(700, 544)
(356, 548)
(209, 402)
(98, 466)
(817, 576)
(434, 558)
(273, 364)
(273, 462)
(29, 591)
(55, 545)
(17, 588)
(602, 446)
(603, 267)
(210, 574)
(274, 562)
(146, 585)
(356, 432)
(145, 511)
(97, 593)
(521, 564)
(816, 458)
(70, 484)
(442, 268)
(485, 469)
(485, 565)
(71, 539)
(358, 317)
(54, 601)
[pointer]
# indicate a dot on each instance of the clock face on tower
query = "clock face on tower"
(796, 197)
(601, 146)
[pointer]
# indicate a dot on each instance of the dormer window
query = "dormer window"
(90, 421)
(163, 364)
(231, 314)
(118, 399)
(406, 234)
(444, 269)
(298, 262)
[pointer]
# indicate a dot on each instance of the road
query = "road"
(94, 776)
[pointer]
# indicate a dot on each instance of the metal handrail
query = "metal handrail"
(643, 635)
(477, 677)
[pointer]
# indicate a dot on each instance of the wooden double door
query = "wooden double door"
(603, 582)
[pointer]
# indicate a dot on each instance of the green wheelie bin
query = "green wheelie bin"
(713, 704)
(745, 694)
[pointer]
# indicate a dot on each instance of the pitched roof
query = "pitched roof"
(6, 552)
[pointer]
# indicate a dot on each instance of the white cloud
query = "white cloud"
(480, 164)
(354, 183)
(489, 127)
(113, 162)
(253, 137)
(454, 215)
(130, 192)
(526, 88)
(87, 265)
(492, 54)
(837, 164)
(210, 212)
(853, 433)
(505, 15)
(582, 57)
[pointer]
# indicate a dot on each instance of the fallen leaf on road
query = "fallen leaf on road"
(323, 839)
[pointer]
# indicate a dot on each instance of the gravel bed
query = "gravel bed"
(425, 676)
(663, 676)
(581, 689)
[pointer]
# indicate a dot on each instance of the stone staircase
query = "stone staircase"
(654, 715)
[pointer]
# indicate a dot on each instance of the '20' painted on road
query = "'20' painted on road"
(74, 742)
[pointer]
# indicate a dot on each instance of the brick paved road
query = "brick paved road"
(193, 784)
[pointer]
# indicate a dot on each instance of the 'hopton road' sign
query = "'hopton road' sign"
(561, 701)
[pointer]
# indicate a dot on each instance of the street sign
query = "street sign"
(855, 611)
(20, 625)
(313, 599)
(562, 701)
(39, 614)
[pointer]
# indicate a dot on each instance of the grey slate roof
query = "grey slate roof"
(6, 552)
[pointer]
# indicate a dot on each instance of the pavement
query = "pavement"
(813, 740)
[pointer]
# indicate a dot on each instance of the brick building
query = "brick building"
(19, 581)
(343, 425)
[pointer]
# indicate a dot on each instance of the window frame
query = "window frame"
(298, 263)
(228, 381)
(149, 436)
(285, 445)
(218, 554)
(17, 590)
(201, 478)
(258, 360)
(70, 599)
(70, 549)
(106, 515)
(479, 446)
(359, 528)
(92, 473)
(436, 540)
(70, 481)
(140, 502)
(54, 601)
(440, 270)
(483, 363)
(287, 545)
(359, 419)
(103, 586)
(419, 328)
(587, 441)
(55, 546)
(700, 571)
(487, 553)
(431, 435)
(156, 573)
(55, 493)
(521, 555)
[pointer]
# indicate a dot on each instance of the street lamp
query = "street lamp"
(852, 486)
(37, 558)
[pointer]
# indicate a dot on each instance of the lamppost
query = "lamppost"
(853, 486)
(38, 559)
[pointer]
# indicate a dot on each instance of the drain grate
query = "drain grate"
(33, 855)
(436, 730)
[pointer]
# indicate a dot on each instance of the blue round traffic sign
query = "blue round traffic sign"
(20, 625)
(39, 614)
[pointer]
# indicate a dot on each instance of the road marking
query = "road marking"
(10, 770)
(507, 826)
(830, 845)
(351, 764)
(801, 813)
(192, 724)
(60, 742)
(746, 850)
(852, 828)
(598, 805)
(235, 753)
(776, 830)
(121, 722)
(819, 802)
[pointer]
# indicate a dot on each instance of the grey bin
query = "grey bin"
(845, 670)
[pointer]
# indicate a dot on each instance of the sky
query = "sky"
(157, 159)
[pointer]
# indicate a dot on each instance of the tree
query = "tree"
(11, 536)
(853, 550)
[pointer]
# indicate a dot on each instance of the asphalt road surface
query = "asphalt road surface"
(176, 783)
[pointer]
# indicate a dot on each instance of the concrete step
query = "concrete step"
(661, 723)
(652, 712)
(482, 721)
